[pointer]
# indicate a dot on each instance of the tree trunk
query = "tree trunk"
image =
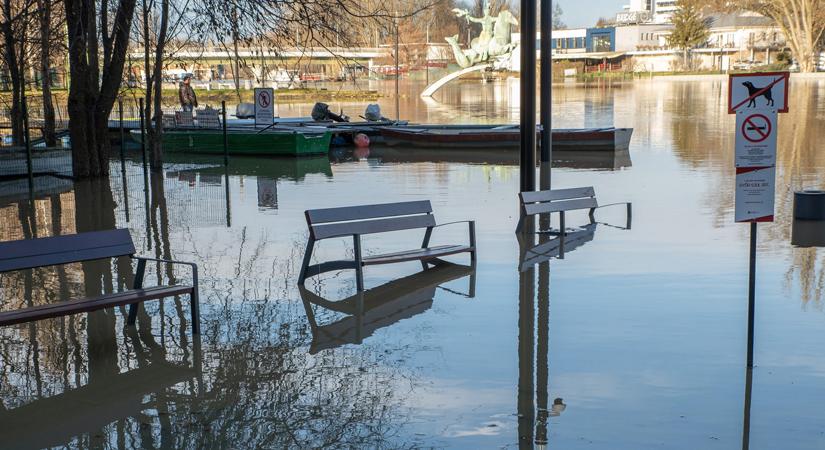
(156, 131)
(45, 7)
(15, 70)
(94, 87)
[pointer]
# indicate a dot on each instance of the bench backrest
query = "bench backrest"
(50, 251)
(368, 219)
(542, 202)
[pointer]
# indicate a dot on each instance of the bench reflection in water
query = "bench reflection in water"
(549, 248)
(57, 420)
(381, 306)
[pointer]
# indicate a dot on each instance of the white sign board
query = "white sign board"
(264, 106)
(756, 138)
(755, 194)
(758, 91)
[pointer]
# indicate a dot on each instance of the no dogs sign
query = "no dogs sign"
(754, 91)
(756, 98)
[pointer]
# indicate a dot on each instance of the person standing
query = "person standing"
(188, 99)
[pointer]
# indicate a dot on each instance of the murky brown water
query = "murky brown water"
(640, 333)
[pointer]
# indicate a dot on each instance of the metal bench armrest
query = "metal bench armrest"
(170, 261)
(194, 296)
(142, 262)
(613, 204)
(472, 232)
(453, 223)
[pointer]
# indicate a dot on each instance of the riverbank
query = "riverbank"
(215, 96)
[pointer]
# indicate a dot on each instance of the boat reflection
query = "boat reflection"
(381, 306)
(606, 160)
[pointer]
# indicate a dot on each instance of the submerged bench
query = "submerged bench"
(356, 221)
(59, 250)
(561, 200)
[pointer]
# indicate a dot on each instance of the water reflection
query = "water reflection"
(382, 306)
(609, 160)
(625, 319)
(534, 410)
(87, 381)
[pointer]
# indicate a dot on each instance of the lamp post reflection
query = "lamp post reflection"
(534, 346)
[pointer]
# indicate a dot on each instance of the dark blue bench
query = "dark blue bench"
(58, 250)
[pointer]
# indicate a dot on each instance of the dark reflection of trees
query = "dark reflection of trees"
(259, 387)
(703, 138)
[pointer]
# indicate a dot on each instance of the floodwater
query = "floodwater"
(634, 339)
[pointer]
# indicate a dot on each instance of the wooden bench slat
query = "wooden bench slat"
(557, 194)
(55, 250)
(564, 205)
(417, 254)
(76, 306)
(361, 212)
(372, 226)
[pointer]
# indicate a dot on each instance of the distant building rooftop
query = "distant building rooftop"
(739, 20)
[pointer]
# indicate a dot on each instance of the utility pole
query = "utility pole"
(546, 94)
(528, 96)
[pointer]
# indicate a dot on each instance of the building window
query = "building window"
(601, 43)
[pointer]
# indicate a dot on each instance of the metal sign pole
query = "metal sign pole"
(755, 98)
(751, 293)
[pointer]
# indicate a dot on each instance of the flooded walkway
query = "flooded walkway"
(635, 339)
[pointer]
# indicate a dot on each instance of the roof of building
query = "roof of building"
(739, 19)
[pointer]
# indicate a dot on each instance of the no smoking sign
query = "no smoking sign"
(756, 138)
(756, 128)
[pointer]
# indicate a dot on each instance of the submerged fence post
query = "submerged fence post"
(142, 134)
(225, 140)
(28, 138)
(122, 137)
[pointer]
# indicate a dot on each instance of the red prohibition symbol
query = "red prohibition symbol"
(756, 128)
(263, 99)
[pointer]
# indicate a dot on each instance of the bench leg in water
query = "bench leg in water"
(359, 263)
(307, 258)
(195, 298)
(133, 308)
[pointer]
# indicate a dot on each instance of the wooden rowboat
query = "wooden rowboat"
(504, 136)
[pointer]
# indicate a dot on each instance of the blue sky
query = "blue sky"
(585, 13)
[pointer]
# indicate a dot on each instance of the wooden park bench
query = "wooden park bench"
(562, 200)
(356, 221)
(59, 250)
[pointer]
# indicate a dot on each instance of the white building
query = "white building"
(663, 10)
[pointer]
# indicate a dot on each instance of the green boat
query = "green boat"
(245, 141)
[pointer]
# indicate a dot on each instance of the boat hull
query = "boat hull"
(245, 142)
(594, 139)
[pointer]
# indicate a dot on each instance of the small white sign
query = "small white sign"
(264, 106)
(755, 138)
(758, 91)
(755, 194)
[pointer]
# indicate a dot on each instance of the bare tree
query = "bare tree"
(16, 18)
(94, 82)
(49, 20)
(801, 21)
